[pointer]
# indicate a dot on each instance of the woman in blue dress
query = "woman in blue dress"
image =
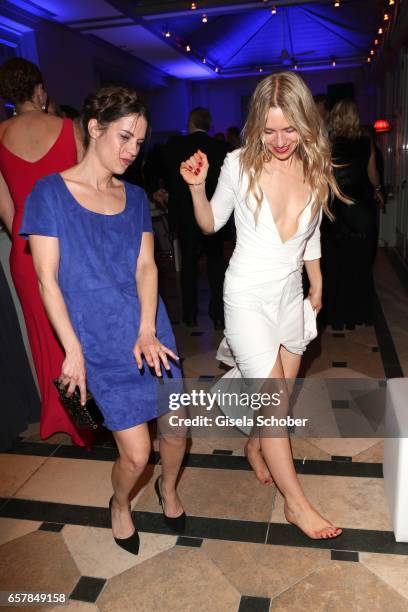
(92, 244)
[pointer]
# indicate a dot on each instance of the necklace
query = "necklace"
(30, 110)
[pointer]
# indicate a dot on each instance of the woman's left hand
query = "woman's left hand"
(315, 297)
(154, 352)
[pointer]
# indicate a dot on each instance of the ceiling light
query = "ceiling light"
(204, 18)
(204, 60)
(188, 48)
(337, 4)
(333, 63)
(376, 42)
(193, 6)
(216, 69)
(372, 52)
(168, 34)
(273, 10)
(391, 2)
(386, 17)
(380, 31)
(368, 59)
(295, 67)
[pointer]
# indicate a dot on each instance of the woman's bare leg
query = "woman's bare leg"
(172, 449)
(291, 365)
(134, 450)
(278, 457)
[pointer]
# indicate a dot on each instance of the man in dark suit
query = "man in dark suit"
(182, 220)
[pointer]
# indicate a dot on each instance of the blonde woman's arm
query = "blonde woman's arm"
(210, 216)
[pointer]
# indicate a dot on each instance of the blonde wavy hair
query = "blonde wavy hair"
(287, 91)
(345, 120)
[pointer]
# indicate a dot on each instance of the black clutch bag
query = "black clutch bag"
(84, 417)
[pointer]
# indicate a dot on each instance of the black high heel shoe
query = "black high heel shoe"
(177, 523)
(130, 544)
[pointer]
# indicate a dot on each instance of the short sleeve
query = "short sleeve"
(222, 202)
(40, 211)
(313, 247)
(146, 215)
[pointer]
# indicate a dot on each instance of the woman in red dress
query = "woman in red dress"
(34, 144)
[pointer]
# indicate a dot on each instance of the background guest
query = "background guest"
(233, 138)
(34, 144)
(19, 397)
(349, 243)
(182, 216)
(322, 105)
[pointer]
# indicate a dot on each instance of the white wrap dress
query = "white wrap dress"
(263, 294)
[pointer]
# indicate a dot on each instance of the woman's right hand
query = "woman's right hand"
(194, 170)
(73, 374)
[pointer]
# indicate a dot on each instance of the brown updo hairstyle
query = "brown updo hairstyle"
(18, 79)
(109, 104)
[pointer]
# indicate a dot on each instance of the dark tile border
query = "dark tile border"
(341, 458)
(88, 589)
(336, 403)
(54, 527)
(220, 460)
(358, 540)
(36, 449)
(389, 355)
(187, 541)
(339, 364)
(254, 604)
(344, 555)
(152, 522)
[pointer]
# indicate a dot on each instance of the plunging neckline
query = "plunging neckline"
(308, 203)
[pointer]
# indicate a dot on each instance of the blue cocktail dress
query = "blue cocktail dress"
(98, 259)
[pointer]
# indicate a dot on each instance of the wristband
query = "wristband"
(196, 184)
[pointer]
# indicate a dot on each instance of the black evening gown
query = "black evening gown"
(19, 400)
(349, 243)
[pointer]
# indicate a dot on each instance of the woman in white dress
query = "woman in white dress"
(278, 186)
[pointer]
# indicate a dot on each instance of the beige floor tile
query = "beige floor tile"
(181, 579)
(374, 454)
(235, 443)
(96, 554)
(393, 569)
(15, 470)
(302, 448)
(32, 429)
(338, 373)
(204, 364)
(58, 438)
(72, 481)
(38, 562)
(340, 587)
(357, 503)
(346, 447)
(263, 571)
(216, 493)
(10, 529)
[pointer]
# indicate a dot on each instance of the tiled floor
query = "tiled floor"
(238, 552)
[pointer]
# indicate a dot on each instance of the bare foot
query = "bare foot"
(171, 501)
(311, 522)
(257, 462)
(122, 524)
